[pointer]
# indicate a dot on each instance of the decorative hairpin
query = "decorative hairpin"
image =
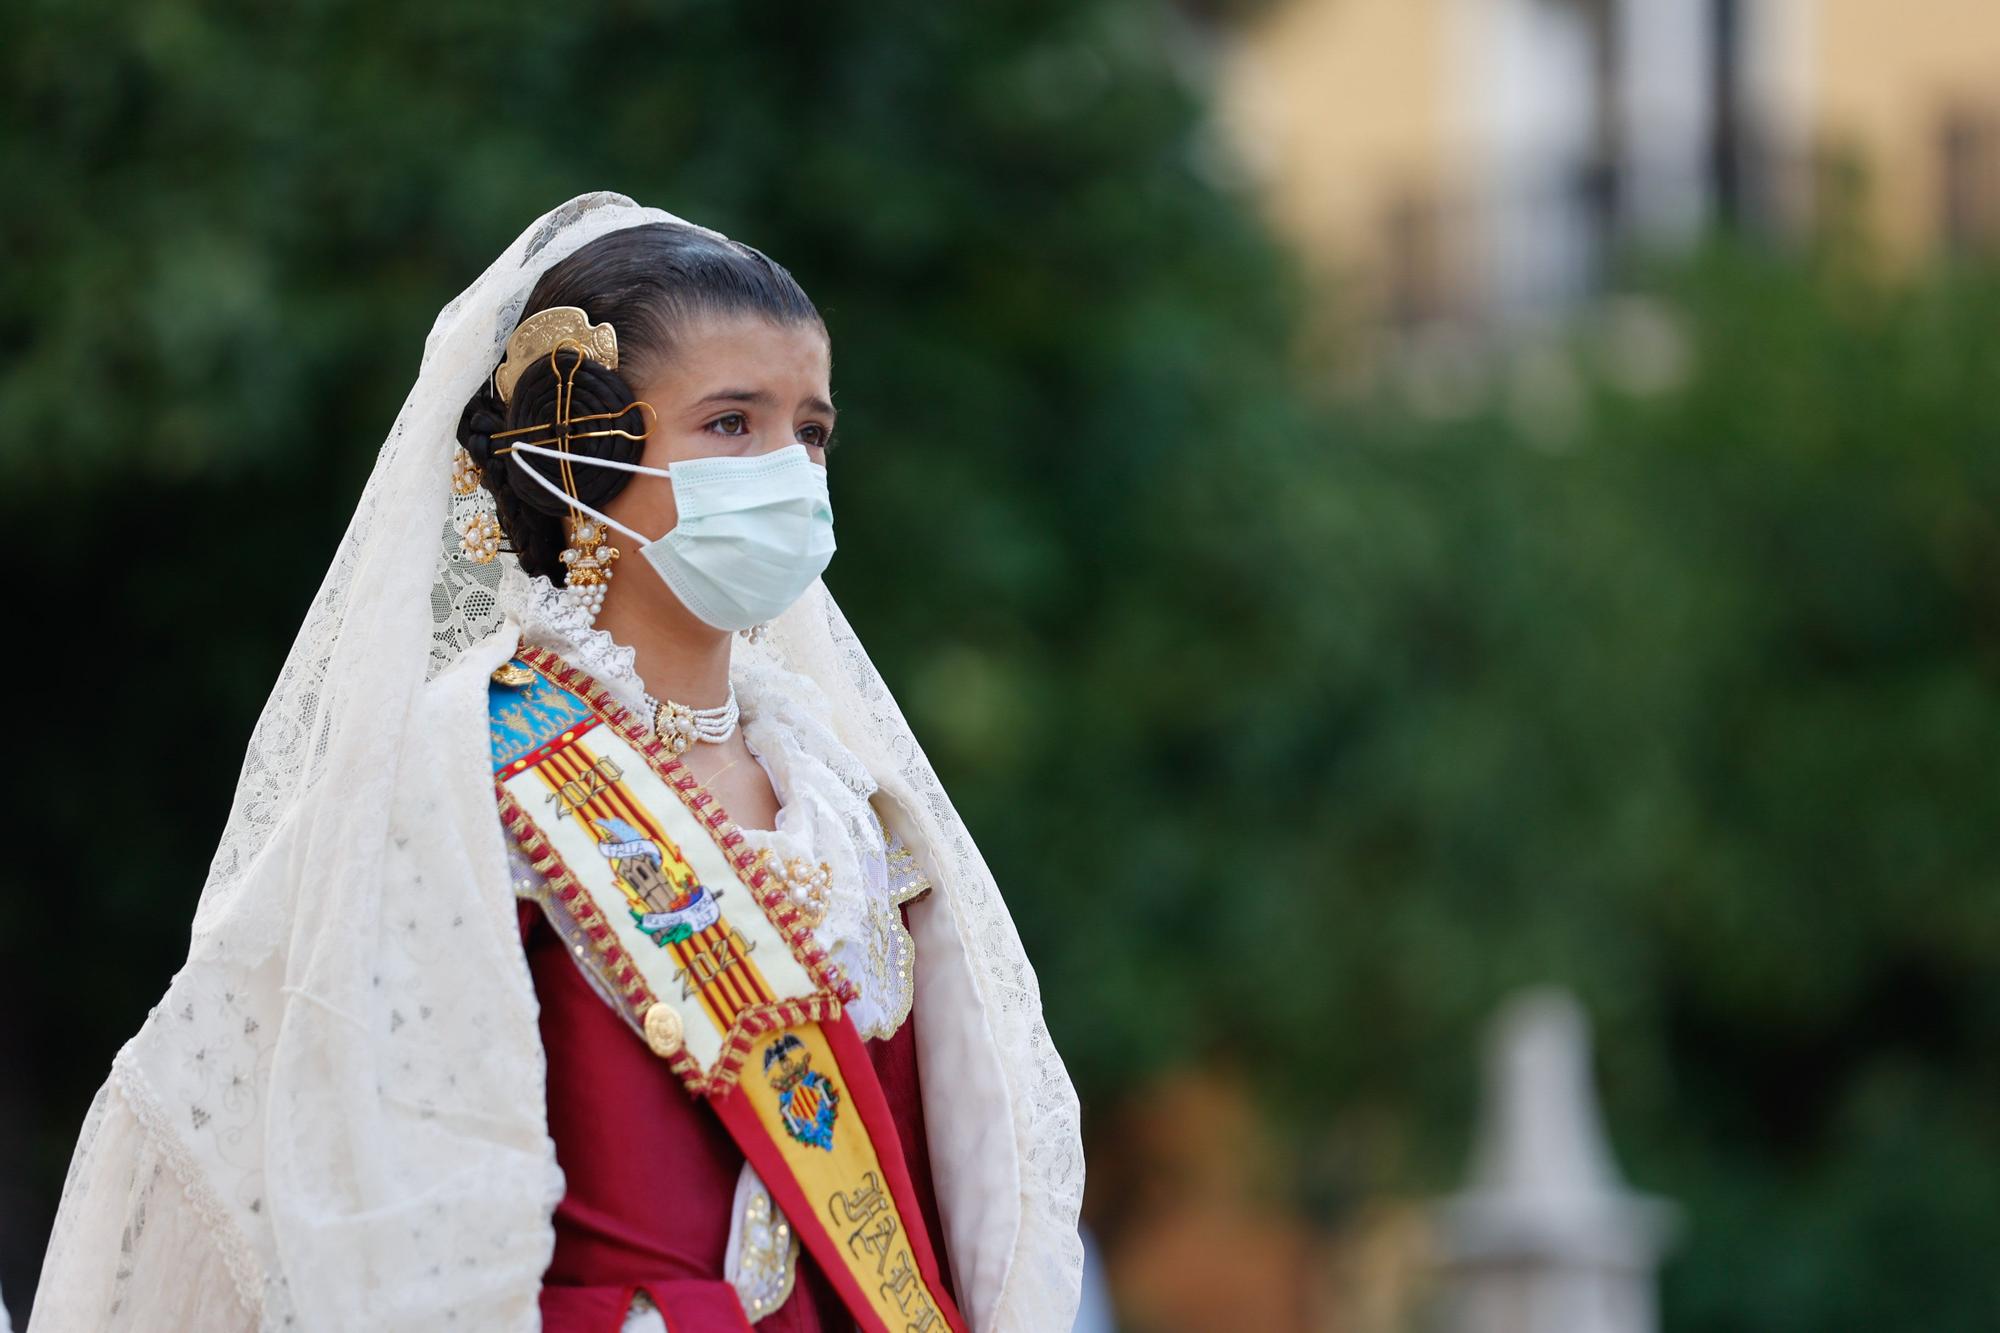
(588, 553)
(541, 333)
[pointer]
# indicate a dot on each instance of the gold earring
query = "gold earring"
(472, 512)
(588, 559)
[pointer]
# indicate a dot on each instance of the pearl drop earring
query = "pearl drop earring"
(588, 559)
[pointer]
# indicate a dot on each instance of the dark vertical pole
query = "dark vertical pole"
(1608, 133)
(1725, 84)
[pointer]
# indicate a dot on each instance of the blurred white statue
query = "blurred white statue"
(1547, 1239)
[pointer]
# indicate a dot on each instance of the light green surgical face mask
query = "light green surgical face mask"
(752, 535)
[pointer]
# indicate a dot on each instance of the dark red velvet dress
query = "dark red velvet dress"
(651, 1174)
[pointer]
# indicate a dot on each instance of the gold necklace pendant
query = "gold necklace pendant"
(680, 726)
(674, 724)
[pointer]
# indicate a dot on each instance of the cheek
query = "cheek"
(645, 505)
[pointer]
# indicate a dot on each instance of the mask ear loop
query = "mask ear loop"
(527, 447)
(576, 504)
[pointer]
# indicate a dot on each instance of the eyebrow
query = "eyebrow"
(760, 398)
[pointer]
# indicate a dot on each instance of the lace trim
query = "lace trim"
(907, 881)
(551, 620)
(892, 956)
(246, 1270)
(892, 950)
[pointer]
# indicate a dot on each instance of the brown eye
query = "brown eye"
(741, 424)
(815, 435)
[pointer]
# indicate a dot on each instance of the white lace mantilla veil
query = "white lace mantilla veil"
(335, 1117)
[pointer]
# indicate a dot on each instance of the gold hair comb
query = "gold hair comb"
(545, 330)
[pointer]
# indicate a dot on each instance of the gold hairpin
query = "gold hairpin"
(555, 440)
(587, 553)
(541, 333)
(561, 429)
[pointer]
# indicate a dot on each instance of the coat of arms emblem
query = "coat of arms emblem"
(807, 1099)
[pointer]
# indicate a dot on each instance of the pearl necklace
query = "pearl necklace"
(680, 726)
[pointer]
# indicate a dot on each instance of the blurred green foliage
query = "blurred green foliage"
(1298, 734)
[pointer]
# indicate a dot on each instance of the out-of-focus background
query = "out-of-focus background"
(1448, 551)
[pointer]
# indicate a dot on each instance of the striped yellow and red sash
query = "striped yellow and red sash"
(700, 949)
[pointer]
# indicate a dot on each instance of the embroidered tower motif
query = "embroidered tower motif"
(666, 899)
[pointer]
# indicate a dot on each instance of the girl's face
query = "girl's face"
(739, 385)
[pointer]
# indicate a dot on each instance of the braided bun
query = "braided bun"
(531, 516)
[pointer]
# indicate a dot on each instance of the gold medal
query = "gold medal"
(663, 1029)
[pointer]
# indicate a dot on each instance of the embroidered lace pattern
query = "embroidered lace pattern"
(553, 621)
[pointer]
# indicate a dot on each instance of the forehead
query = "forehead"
(750, 352)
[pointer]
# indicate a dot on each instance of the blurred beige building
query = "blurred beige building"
(1485, 159)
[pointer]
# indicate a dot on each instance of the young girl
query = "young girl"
(590, 942)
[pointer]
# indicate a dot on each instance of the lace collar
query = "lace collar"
(550, 620)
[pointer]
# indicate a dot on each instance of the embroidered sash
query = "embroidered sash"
(698, 946)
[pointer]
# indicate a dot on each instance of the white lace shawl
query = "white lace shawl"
(335, 1118)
